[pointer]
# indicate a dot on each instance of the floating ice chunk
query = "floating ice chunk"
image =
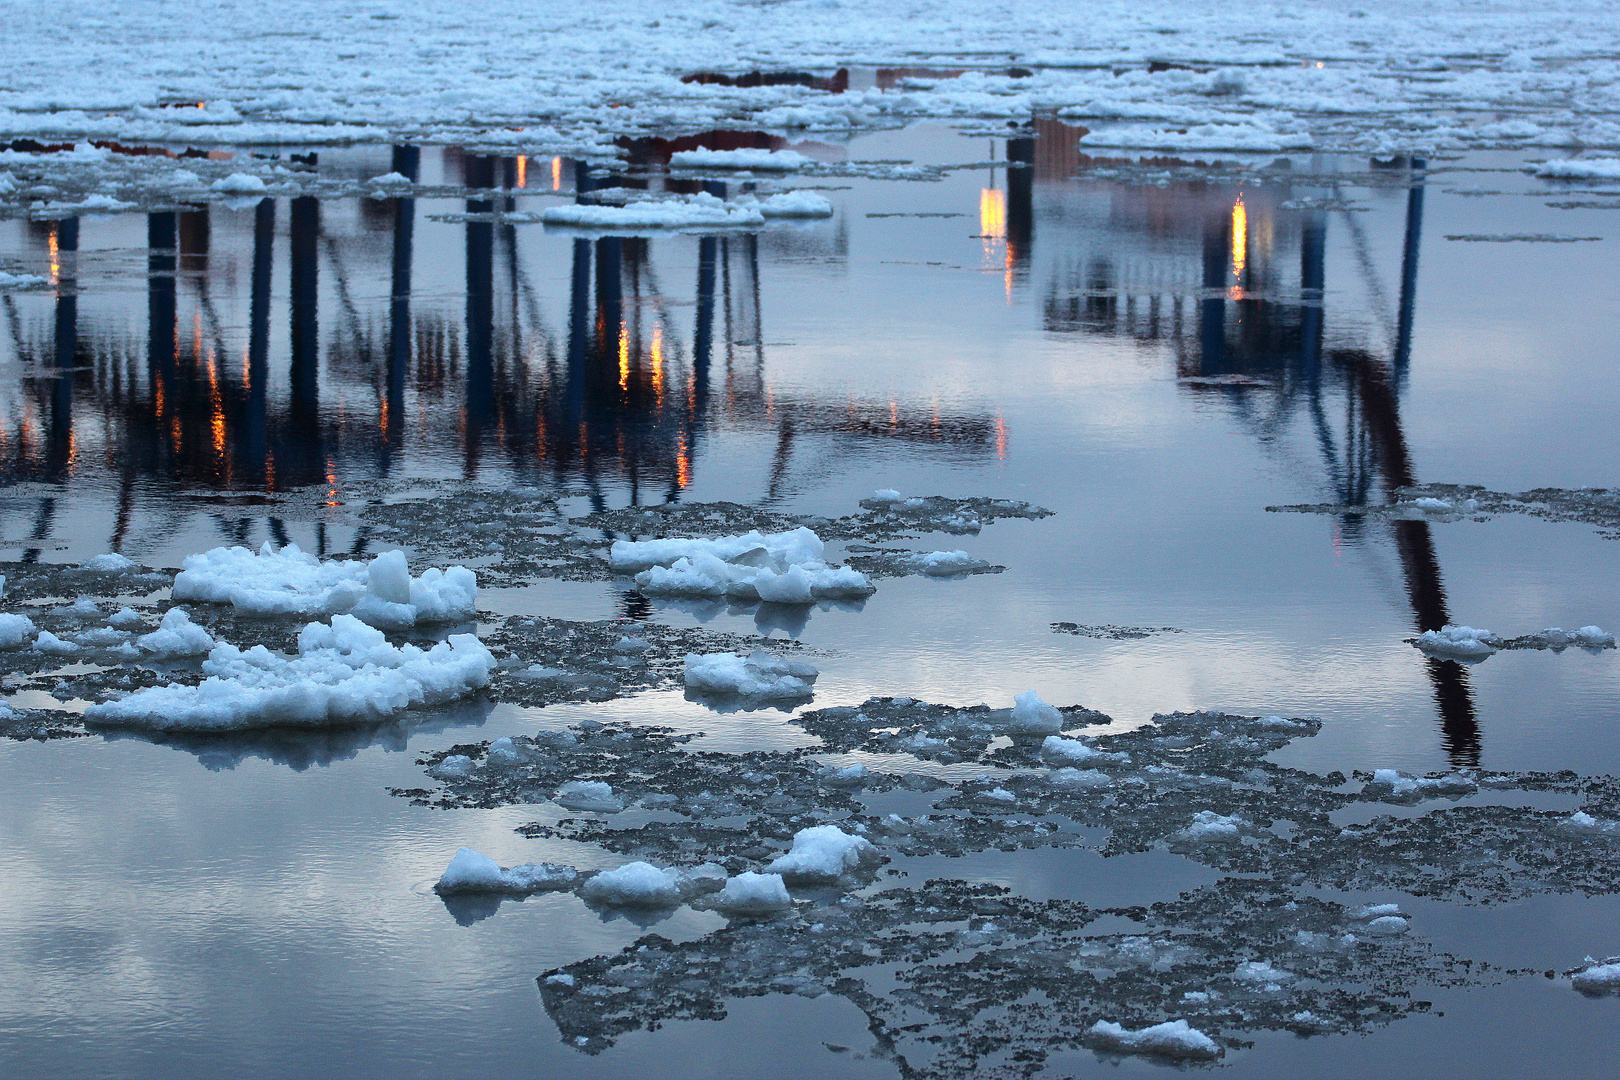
(1458, 643)
(15, 630)
(48, 642)
(110, 562)
(1376, 911)
(1078, 779)
(1173, 1038)
(687, 211)
(391, 179)
(290, 582)
(21, 281)
(946, 563)
(848, 777)
(1032, 716)
(636, 884)
(176, 636)
(1260, 971)
(886, 496)
(345, 672)
(1594, 637)
(238, 184)
(758, 675)
(83, 607)
(796, 204)
(823, 853)
(753, 894)
(783, 568)
(1581, 169)
(1598, 978)
(588, 795)
(629, 645)
(998, 795)
(1056, 750)
(1208, 825)
(453, 767)
(472, 872)
(1396, 785)
(761, 160)
(1387, 926)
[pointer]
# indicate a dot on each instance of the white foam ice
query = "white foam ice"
(945, 563)
(345, 672)
(22, 281)
(1464, 643)
(1208, 825)
(588, 795)
(1240, 136)
(822, 854)
(784, 568)
(701, 210)
(109, 562)
(1598, 977)
(289, 581)
(238, 183)
(47, 642)
(1058, 751)
(15, 630)
(760, 675)
(795, 204)
(1032, 716)
(636, 884)
(1581, 169)
(751, 893)
(473, 872)
(886, 497)
(1173, 1039)
(176, 637)
(1078, 779)
(752, 160)
(1403, 787)
(1261, 971)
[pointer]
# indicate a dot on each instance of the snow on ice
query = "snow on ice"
(760, 675)
(1173, 1039)
(822, 854)
(784, 568)
(292, 582)
(473, 872)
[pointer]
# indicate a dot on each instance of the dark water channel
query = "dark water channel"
(1157, 351)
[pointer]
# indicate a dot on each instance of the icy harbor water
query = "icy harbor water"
(778, 512)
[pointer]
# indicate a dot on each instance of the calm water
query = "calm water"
(1156, 354)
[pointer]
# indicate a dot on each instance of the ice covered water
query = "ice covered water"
(823, 588)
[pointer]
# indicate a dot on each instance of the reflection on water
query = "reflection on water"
(305, 344)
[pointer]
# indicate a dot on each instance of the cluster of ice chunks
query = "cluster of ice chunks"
(893, 512)
(1236, 956)
(1469, 645)
(780, 568)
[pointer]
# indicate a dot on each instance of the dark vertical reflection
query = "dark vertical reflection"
(1212, 308)
(1409, 270)
(1020, 202)
(302, 452)
(59, 438)
(408, 163)
(254, 438)
(479, 172)
(161, 316)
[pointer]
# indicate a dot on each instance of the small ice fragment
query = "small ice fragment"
(796, 204)
(1463, 643)
(1078, 779)
(1173, 1038)
(945, 563)
(110, 562)
(885, 495)
(391, 179)
(124, 616)
(762, 160)
(453, 767)
(176, 636)
(588, 795)
(1032, 716)
(1056, 750)
(753, 894)
(632, 645)
(561, 978)
(760, 675)
(636, 884)
(472, 872)
(1260, 971)
(823, 853)
(1387, 926)
(1597, 979)
(1208, 825)
(48, 642)
(238, 184)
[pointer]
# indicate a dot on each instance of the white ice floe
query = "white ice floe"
(796, 204)
(15, 630)
(784, 568)
(823, 853)
(760, 675)
(1058, 751)
(391, 180)
(176, 636)
(1208, 825)
(47, 642)
(1078, 779)
(472, 872)
(1599, 977)
(1240, 137)
(1463, 643)
(637, 884)
(1261, 971)
(753, 160)
(1554, 637)
(1581, 169)
(345, 672)
(753, 894)
(1399, 786)
(292, 582)
(239, 183)
(1032, 716)
(1173, 1038)
(886, 497)
(684, 212)
(22, 281)
(588, 795)
(1387, 926)
(453, 767)
(945, 563)
(110, 562)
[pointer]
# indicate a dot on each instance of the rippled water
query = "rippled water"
(1156, 351)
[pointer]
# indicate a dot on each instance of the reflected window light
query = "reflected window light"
(56, 262)
(1001, 438)
(522, 171)
(624, 357)
(658, 361)
(1240, 246)
(556, 174)
(993, 213)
